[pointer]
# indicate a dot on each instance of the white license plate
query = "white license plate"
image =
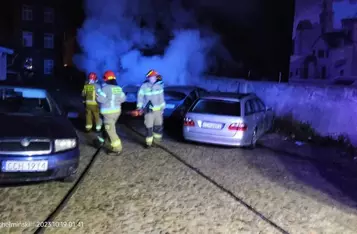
(211, 125)
(25, 166)
(170, 106)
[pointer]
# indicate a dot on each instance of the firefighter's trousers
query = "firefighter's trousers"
(154, 126)
(110, 121)
(92, 112)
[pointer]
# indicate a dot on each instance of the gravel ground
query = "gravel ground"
(25, 205)
(148, 191)
(298, 195)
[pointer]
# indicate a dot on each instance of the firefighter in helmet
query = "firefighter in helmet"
(151, 103)
(110, 97)
(92, 109)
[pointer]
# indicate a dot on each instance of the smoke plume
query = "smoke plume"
(113, 38)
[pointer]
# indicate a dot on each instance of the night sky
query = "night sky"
(262, 44)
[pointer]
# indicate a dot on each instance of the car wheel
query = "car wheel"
(69, 179)
(253, 142)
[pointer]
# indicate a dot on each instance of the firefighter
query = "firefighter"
(110, 97)
(92, 108)
(151, 103)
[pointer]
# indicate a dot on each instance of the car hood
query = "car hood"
(36, 126)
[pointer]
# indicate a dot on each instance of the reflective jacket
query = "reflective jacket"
(151, 92)
(89, 93)
(110, 98)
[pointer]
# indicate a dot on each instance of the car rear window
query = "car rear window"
(174, 96)
(216, 107)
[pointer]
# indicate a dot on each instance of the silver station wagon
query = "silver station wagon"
(231, 119)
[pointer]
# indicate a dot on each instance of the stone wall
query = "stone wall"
(330, 110)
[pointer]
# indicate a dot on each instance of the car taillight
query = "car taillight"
(238, 127)
(188, 122)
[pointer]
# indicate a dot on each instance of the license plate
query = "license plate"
(25, 166)
(170, 106)
(211, 125)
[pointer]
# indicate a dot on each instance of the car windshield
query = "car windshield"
(24, 102)
(174, 96)
(216, 107)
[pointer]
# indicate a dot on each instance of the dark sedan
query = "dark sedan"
(37, 141)
(179, 99)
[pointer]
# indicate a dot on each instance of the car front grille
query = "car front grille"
(25, 146)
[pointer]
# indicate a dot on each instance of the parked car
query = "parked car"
(179, 98)
(37, 140)
(227, 119)
(131, 92)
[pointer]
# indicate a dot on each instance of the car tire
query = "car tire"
(253, 141)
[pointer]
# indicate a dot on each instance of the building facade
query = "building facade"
(322, 52)
(36, 34)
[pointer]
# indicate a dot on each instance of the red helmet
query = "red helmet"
(92, 76)
(109, 75)
(152, 73)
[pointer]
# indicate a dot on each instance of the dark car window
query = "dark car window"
(254, 105)
(201, 92)
(248, 108)
(193, 95)
(174, 96)
(25, 101)
(261, 105)
(131, 97)
(216, 107)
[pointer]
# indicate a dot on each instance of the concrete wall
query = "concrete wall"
(330, 110)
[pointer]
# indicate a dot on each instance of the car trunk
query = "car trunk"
(214, 117)
(217, 125)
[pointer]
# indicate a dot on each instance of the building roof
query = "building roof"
(6, 50)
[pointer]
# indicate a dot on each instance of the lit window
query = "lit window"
(48, 66)
(27, 39)
(27, 13)
(48, 41)
(48, 15)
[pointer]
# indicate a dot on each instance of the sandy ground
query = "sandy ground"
(298, 195)
(25, 206)
(149, 191)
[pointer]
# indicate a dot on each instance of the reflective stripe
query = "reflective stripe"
(109, 110)
(149, 140)
(101, 139)
(158, 107)
(88, 126)
(101, 93)
(150, 93)
(157, 136)
(98, 127)
(116, 144)
(89, 102)
(139, 105)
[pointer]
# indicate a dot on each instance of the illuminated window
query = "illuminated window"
(48, 66)
(48, 41)
(27, 39)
